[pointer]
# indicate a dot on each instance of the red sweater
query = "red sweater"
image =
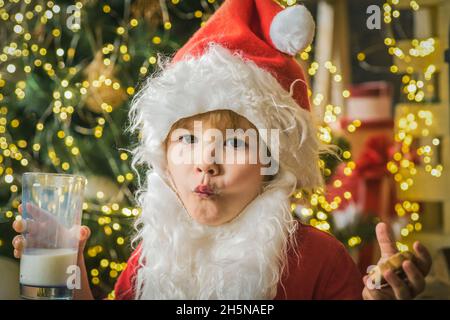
(323, 269)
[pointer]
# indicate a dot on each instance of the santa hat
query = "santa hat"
(240, 60)
(262, 32)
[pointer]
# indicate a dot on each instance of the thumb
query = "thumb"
(85, 233)
(386, 240)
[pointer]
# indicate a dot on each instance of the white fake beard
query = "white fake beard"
(182, 259)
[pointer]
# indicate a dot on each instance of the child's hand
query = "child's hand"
(415, 271)
(44, 219)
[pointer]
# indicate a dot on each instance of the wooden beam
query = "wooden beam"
(324, 47)
(341, 54)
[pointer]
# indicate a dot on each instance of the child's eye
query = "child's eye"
(187, 139)
(235, 143)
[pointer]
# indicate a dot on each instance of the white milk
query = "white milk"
(46, 267)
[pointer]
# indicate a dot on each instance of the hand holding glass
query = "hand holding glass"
(52, 208)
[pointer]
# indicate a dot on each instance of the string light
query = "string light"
(414, 91)
(24, 55)
(68, 92)
(414, 122)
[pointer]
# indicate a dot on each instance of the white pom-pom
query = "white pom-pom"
(292, 29)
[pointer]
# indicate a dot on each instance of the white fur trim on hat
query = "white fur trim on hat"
(292, 30)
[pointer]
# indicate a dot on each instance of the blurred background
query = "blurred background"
(379, 78)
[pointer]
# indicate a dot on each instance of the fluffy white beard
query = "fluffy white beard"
(182, 259)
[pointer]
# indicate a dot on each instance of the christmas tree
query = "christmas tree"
(68, 72)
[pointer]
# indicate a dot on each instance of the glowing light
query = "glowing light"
(156, 40)
(18, 29)
(354, 241)
(9, 178)
(11, 68)
(18, 17)
(337, 183)
(346, 154)
(68, 94)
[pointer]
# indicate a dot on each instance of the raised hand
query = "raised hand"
(415, 271)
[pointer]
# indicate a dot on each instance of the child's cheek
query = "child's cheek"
(179, 154)
(242, 177)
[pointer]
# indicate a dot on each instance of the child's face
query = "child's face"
(213, 193)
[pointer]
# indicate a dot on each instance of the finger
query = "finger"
(401, 290)
(386, 240)
(34, 228)
(35, 212)
(367, 294)
(365, 278)
(375, 294)
(415, 277)
(17, 254)
(20, 208)
(370, 283)
(18, 242)
(19, 225)
(85, 233)
(423, 258)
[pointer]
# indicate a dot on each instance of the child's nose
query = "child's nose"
(211, 169)
(208, 163)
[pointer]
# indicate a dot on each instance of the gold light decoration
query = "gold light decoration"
(415, 125)
(416, 58)
(104, 92)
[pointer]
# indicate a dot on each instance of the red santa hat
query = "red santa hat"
(263, 32)
(240, 60)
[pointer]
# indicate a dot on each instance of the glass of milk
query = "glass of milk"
(52, 207)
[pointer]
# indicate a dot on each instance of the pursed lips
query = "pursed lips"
(204, 191)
